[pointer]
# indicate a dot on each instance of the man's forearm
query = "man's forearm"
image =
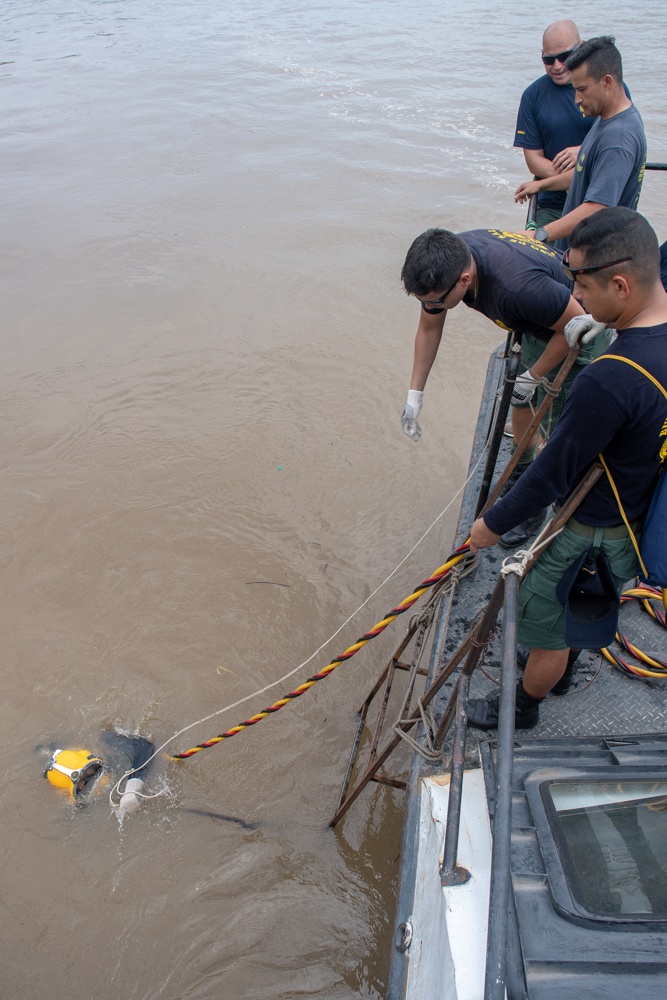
(561, 228)
(556, 182)
(538, 164)
(426, 349)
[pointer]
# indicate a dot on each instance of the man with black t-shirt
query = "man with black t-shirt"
(519, 285)
(612, 409)
(550, 126)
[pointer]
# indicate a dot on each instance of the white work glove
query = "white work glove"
(582, 329)
(410, 413)
(129, 800)
(524, 388)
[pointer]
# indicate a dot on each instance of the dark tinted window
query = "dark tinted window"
(613, 844)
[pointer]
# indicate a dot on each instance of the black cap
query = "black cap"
(588, 593)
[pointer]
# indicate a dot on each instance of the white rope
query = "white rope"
(295, 670)
(140, 795)
(518, 562)
(428, 750)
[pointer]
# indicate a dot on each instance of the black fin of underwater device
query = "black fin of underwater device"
(135, 750)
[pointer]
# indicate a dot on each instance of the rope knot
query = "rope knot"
(518, 563)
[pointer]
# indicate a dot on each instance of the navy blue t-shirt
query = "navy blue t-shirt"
(614, 409)
(521, 284)
(549, 120)
(663, 265)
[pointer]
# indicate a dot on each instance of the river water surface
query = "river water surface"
(205, 352)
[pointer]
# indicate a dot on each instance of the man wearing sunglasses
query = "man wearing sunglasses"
(610, 166)
(550, 126)
(612, 410)
(518, 284)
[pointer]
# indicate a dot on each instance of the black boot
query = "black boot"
(514, 478)
(517, 536)
(564, 684)
(483, 713)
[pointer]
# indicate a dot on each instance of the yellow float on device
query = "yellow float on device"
(72, 770)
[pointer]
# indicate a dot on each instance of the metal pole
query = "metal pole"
(499, 426)
(501, 872)
(527, 437)
(451, 873)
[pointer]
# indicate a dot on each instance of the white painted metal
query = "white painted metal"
(448, 951)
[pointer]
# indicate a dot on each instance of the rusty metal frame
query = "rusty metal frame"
(471, 649)
(418, 627)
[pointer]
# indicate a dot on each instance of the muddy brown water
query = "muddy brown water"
(205, 352)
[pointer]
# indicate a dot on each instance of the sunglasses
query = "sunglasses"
(428, 306)
(573, 272)
(560, 57)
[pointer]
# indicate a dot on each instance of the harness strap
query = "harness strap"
(627, 361)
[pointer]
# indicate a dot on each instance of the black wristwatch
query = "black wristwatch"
(541, 234)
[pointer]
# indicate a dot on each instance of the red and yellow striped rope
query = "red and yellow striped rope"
(644, 595)
(377, 629)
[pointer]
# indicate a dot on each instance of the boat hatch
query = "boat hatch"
(610, 837)
(603, 837)
(588, 860)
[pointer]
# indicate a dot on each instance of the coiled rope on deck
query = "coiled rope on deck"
(377, 629)
(658, 668)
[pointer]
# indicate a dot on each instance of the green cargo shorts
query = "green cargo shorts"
(541, 615)
(544, 216)
(532, 349)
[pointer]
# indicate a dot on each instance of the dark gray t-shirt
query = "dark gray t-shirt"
(610, 167)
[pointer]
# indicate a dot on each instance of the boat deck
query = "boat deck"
(603, 704)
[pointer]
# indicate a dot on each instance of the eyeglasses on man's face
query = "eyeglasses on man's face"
(436, 303)
(559, 57)
(573, 272)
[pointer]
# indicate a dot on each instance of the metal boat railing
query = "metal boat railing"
(451, 873)
(501, 871)
(499, 418)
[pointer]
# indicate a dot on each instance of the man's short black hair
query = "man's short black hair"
(434, 262)
(615, 233)
(601, 57)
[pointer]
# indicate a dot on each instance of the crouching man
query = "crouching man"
(518, 284)
(613, 410)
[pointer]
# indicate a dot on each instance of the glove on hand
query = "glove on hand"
(410, 413)
(524, 388)
(582, 329)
